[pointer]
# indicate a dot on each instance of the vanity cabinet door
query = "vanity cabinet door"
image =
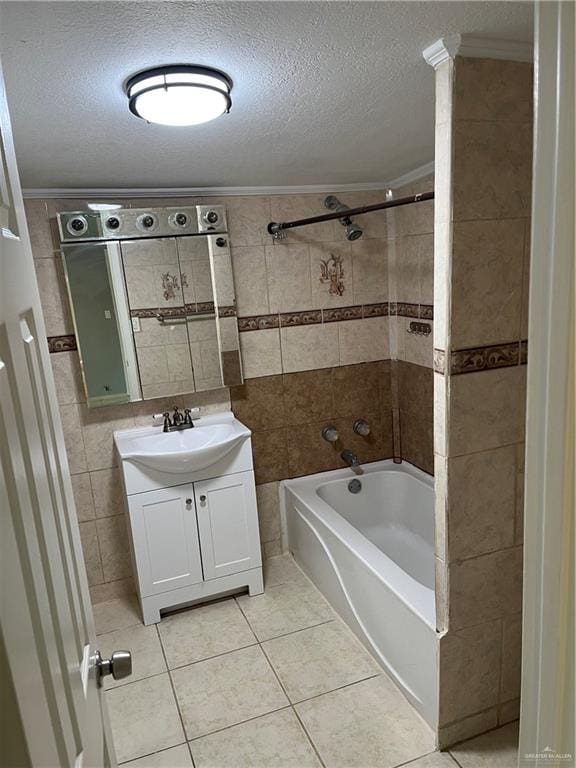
(165, 537)
(228, 524)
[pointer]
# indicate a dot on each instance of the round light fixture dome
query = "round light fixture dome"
(179, 94)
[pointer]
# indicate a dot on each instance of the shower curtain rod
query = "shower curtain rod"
(274, 228)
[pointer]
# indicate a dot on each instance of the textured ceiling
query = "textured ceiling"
(324, 92)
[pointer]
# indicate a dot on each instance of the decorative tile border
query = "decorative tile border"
(426, 312)
(439, 361)
(403, 309)
(335, 315)
(487, 358)
(376, 310)
(200, 308)
(62, 343)
(484, 358)
(309, 317)
(258, 322)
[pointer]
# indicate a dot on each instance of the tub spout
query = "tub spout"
(350, 458)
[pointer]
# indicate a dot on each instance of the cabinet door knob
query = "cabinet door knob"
(202, 499)
(188, 501)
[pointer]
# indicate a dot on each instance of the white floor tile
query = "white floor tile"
(143, 644)
(144, 717)
(115, 614)
(272, 741)
(284, 609)
(282, 570)
(202, 632)
(319, 660)
(366, 724)
(496, 749)
(226, 690)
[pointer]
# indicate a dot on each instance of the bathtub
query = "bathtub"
(371, 554)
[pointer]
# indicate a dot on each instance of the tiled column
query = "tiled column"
(483, 186)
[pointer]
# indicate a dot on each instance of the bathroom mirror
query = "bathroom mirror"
(153, 316)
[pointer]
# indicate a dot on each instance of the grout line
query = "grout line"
(240, 722)
(339, 688)
(173, 689)
(139, 680)
(296, 631)
(296, 715)
(414, 760)
(288, 698)
(149, 754)
(215, 656)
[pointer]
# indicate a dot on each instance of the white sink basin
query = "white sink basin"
(211, 438)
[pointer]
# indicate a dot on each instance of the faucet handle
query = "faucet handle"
(361, 427)
(330, 433)
(193, 413)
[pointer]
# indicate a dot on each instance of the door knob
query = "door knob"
(119, 665)
(188, 501)
(202, 499)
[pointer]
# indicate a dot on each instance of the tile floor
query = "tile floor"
(263, 682)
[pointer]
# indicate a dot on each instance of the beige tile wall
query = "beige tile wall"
(483, 187)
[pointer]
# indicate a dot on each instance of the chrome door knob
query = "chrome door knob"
(119, 665)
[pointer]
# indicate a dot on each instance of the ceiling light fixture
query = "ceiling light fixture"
(180, 94)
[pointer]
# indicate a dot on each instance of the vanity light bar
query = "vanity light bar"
(132, 223)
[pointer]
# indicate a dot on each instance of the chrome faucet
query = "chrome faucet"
(350, 458)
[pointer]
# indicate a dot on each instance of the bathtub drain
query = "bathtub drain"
(354, 486)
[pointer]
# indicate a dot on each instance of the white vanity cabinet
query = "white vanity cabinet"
(194, 534)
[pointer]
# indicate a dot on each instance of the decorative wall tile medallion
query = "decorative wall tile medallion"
(439, 363)
(332, 273)
(484, 358)
(309, 317)
(258, 322)
(169, 286)
(62, 343)
(375, 310)
(336, 314)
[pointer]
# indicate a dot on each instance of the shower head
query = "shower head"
(353, 231)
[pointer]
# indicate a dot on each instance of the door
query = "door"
(55, 707)
(165, 539)
(228, 524)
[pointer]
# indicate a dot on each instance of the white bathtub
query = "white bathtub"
(372, 555)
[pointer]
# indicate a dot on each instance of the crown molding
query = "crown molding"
(443, 49)
(96, 193)
(417, 173)
(478, 47)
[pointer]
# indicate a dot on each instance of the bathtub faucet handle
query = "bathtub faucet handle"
(361, 427)
(330, 433)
